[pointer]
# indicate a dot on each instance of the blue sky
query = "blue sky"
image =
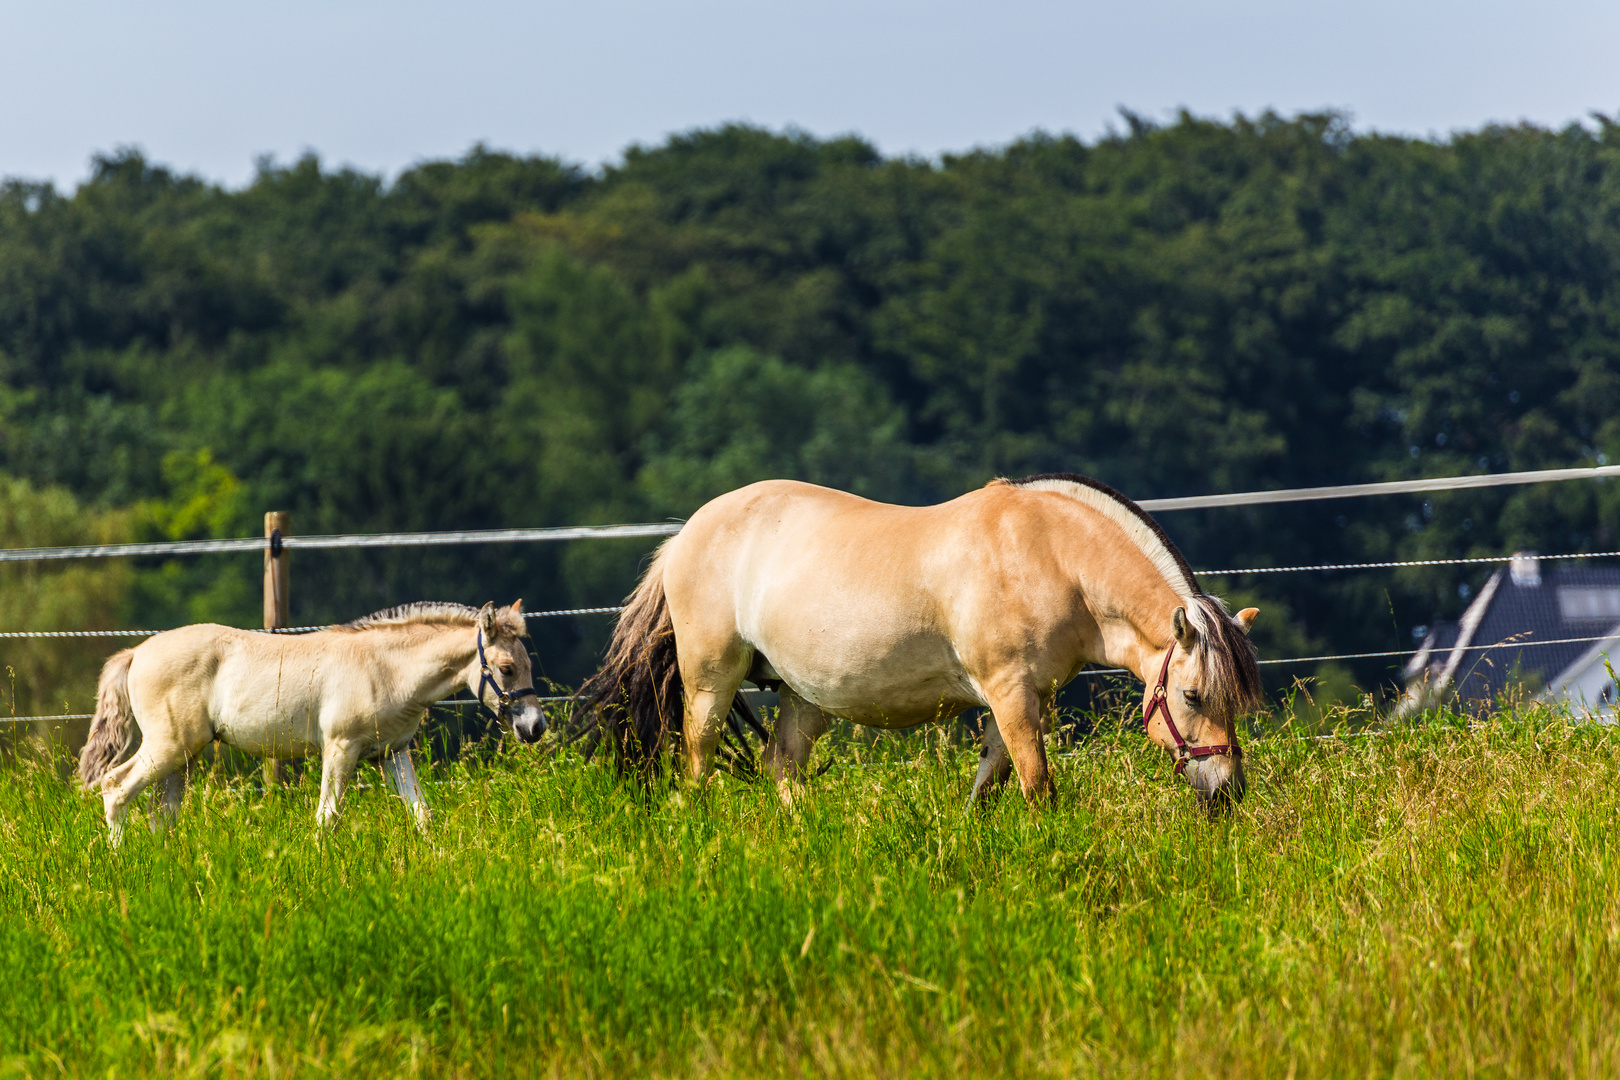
(208, 87)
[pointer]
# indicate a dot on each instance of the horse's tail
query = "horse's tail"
(112, 729)
(637, 700)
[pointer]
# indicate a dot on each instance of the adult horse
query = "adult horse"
(892, 616)
(352, 692)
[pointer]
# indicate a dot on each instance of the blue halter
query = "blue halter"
(486, 678)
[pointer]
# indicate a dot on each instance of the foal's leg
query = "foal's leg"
(401, 776)
(995, 764)
(338, 760)
(166, 802)
(798, 725)
(155, 760)
(1017, 715)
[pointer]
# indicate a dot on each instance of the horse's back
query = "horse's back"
(783, 543)
(857, 605)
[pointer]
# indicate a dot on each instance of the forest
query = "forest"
(1176, 308)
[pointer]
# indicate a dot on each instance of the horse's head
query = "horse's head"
(505, 678)
(1206, 679)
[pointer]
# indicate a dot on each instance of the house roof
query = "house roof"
(1515, 612)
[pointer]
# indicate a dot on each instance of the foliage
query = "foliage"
(56, 595)
(499, 341)
(1432, 900)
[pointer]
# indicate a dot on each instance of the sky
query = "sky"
(209, 87)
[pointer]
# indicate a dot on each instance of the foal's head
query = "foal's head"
(1212, 679)
(508, 688)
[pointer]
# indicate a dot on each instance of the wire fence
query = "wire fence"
(345, 540)
(614, 609)
(659, 529)
(1478, 560)
(669, 528)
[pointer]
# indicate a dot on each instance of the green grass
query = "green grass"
(1442, 900)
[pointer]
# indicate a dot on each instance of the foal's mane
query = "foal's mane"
(433, 612)
(1226, 657)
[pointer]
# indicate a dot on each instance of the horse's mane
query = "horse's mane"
(429, 612)
(1226, 657)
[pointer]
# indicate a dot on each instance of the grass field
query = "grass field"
(1440, 900)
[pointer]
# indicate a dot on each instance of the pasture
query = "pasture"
(1441, 900)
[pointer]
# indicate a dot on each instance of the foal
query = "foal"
(355, 692)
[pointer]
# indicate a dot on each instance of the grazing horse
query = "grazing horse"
(355, 692)
(892, 616)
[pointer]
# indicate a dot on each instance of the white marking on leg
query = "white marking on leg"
(166, 799)
(400, 772)
(995, 764)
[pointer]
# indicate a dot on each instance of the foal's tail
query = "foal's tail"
(111, 730)
(637, 699)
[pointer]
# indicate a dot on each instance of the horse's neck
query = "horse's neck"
(1133, 615)
(435, 664)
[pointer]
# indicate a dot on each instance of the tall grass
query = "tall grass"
(1442, 899)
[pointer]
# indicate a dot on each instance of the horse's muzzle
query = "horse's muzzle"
(1218, 780)
(529, 722)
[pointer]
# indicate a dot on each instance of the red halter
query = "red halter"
(1184, 753)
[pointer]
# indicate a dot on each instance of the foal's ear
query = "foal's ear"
(486, 619)
(1245, 618)
(1185, 634)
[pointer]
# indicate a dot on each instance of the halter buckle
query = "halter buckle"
(1185, 754)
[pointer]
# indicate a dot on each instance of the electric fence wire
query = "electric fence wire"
(614, 609)
(1388, 653)
(669, 528)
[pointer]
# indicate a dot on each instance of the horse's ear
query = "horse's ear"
(486, 619)
(1245, 618)
(517, 608)
(1185, 634)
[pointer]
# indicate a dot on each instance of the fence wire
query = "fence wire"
(345, 540)
(585, 532)
(669, 528)
(1398, 564)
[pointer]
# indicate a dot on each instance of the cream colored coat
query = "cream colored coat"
(348, 694)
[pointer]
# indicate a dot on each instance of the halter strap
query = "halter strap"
(486, 678)
(1184, 752)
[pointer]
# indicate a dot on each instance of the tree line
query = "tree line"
(1178, 308)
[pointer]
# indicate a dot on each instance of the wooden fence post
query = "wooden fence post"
(277, 523)
(276, 617)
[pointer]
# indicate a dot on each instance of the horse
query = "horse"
(353, 692)
(893, 616)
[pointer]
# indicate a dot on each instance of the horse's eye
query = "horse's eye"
(506, 669)
(1191, 697)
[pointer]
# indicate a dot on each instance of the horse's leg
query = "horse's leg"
(712, 668)
(166, 802)
(338, 760)
(995, 764)
(400, 773)
(1017, 715)
(798, 725)
(705, 724)
(153, 761)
